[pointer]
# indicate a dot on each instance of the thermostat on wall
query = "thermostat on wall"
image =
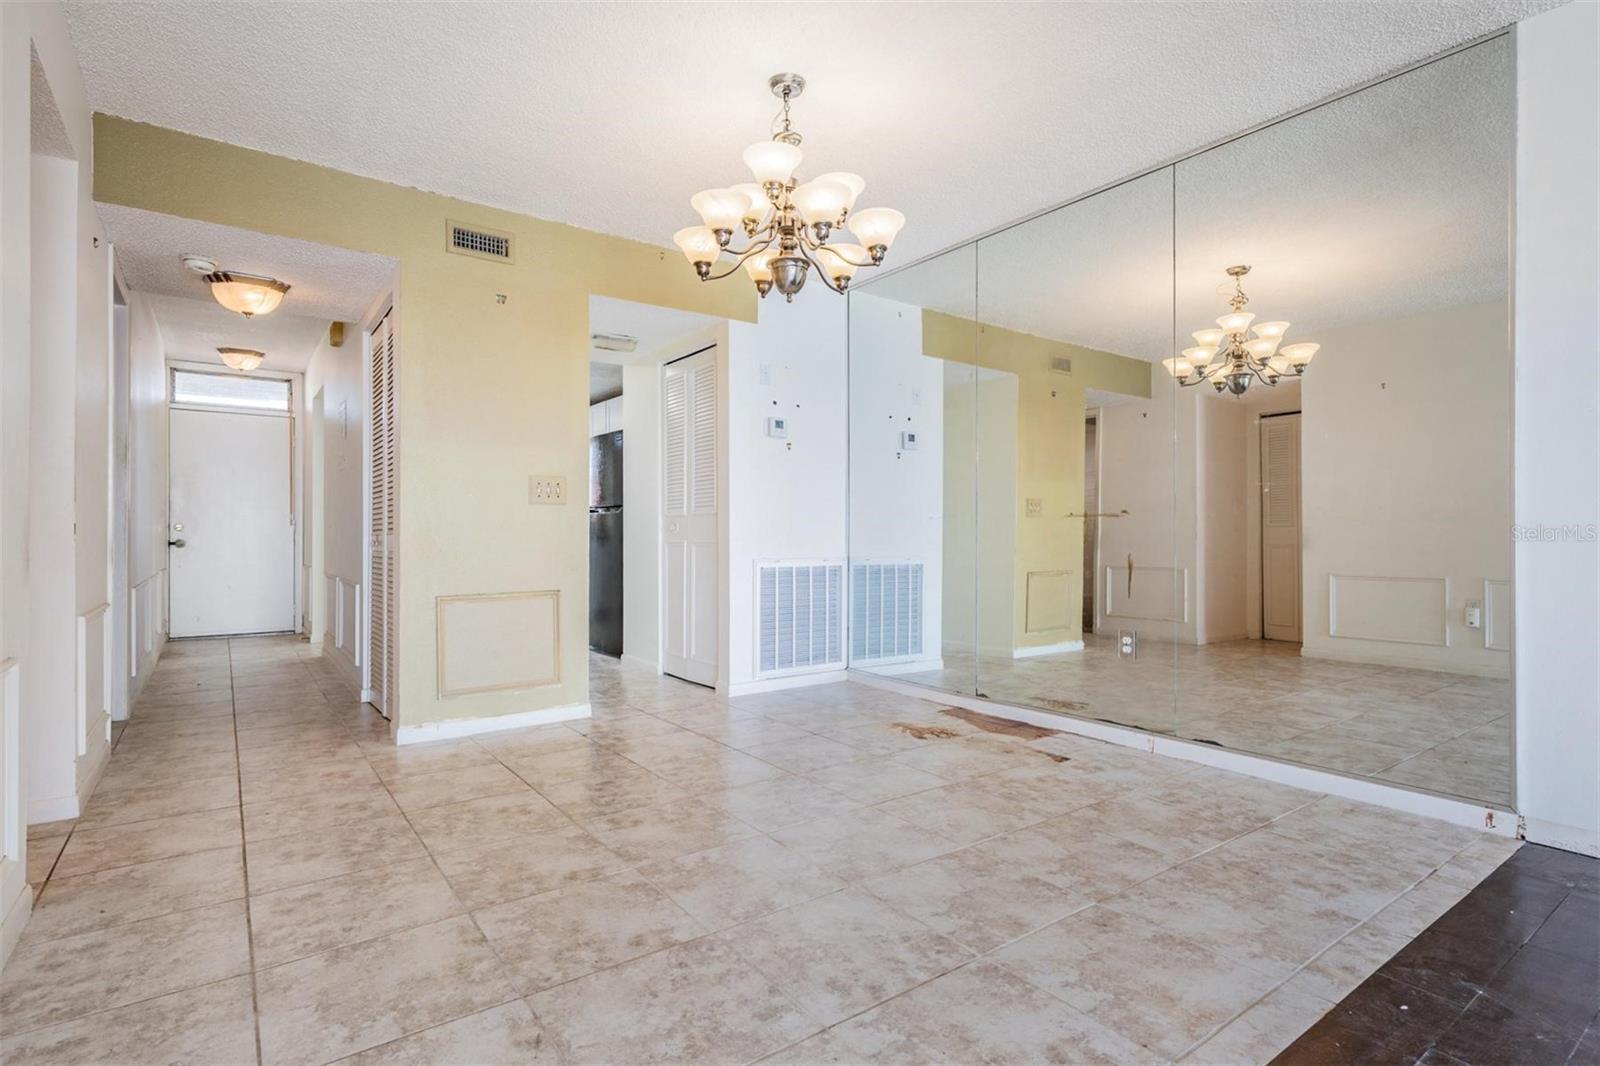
(908, 440)
(778, 427)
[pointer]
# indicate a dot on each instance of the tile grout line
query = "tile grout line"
(244, 863)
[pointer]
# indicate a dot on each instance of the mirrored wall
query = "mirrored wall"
(1222, 452)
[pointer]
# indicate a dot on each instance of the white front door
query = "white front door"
(231, 563)
(689, 634)
(1280, 527)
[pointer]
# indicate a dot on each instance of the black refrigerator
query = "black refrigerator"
(605, 543)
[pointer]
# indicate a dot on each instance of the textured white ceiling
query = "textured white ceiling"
(609, 116)
(47, 133)
(194, 329)
(326, 284)
(1385, 203)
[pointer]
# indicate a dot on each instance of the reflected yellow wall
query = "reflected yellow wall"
(490, 392)
(1049, 456)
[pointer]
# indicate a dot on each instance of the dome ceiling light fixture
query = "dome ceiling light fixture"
(248, 294)
(241, 359)
(786, 221)
(1229, 358)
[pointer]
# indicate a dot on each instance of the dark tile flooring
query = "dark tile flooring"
(1510, 975)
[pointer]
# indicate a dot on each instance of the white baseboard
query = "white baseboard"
(53, 810)
(454, 728)
(11, 925)
(1457, 812)
(1565, 837)
(1047, 649)
(647, 664)
(775, 684)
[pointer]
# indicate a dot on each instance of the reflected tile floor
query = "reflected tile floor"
(831, 874)
(1445, 733)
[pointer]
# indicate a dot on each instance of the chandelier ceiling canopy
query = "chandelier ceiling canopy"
(1230, 358)
(787, 222)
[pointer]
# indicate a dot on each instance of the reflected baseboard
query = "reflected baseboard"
(1058, 648)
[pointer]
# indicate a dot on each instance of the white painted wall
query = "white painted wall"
(787, 498)
(897, 497)
(1557, 415)
(1219, 460)
(1147, 467)
(1405, 487)
(147, 503)
(337, 375)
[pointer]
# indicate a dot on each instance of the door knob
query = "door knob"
(180, 542)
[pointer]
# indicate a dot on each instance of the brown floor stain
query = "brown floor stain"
(1004, 726)
(925, 732)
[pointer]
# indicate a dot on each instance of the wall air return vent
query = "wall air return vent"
(799, 617)
(885, 612)
(479, 242)
(1060, 364)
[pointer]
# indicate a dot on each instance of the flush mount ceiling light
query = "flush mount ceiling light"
(613, 342)
(787, 221)
(241, 358)
(1229, 358)
(248, 294)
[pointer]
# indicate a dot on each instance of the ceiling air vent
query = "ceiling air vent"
(479, 242)
(1060, 364)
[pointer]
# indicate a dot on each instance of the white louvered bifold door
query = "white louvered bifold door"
(1280, 528)
(381, 578)
(689, 413)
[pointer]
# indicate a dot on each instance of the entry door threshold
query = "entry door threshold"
(1495, 820)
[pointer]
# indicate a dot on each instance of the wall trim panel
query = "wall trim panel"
(1390, 610)
(1497, 599)
(1169, 602)
(498, 641)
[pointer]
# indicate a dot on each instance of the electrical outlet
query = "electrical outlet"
(547, 488)
(1035, 507)
(1127, 644)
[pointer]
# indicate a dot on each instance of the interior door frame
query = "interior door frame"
(296, 382)
(1261, 521)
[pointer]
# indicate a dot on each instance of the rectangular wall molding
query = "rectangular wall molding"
(94, 673)
(500, 641)
(1159, 593)
(1392, 610)
(1497, 615)
(1047, 608)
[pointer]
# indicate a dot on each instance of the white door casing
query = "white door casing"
(1280, 528)
(232, 507)
(689, 633)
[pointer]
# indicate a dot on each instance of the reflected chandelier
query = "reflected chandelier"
(787, 222)
(1229, 358)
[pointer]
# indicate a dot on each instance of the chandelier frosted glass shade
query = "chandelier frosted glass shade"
(241, 358)
(787, 222)
(247, 294)
(1230, 358)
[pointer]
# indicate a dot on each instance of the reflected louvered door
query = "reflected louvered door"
(1280, 528)
(689, 414)
(381, 578)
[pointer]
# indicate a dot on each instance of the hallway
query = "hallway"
(834, 873)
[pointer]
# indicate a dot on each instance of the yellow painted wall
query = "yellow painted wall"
(1049, 449)
(490, 393)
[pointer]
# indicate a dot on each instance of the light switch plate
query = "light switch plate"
(1035, 507)
(547, 488)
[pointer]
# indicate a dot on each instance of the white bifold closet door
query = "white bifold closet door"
(381, 575)
(1280, 527)
(689, 636)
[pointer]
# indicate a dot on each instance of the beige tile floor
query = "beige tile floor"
(834, 874)
(1444, 733)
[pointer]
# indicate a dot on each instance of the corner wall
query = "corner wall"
(1557, 509)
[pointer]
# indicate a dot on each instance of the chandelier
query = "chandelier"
(787, 222)
(1230, 358)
